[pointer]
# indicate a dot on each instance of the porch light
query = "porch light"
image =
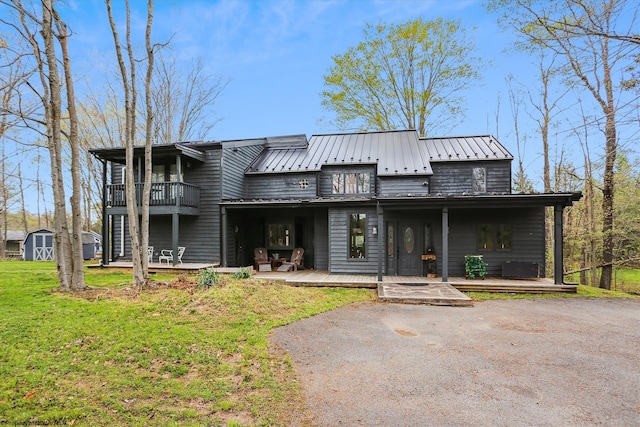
(375, 230)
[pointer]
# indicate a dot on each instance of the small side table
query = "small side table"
(277, 262)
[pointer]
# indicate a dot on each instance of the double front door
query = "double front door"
(406, 242)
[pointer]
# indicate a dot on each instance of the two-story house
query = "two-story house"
(362, 203)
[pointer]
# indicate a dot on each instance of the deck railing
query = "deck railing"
(162, 194)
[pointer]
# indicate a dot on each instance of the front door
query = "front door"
(409, 249)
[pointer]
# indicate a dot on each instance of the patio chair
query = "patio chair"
(261, 259)
(297, 261)
(167, 255)
(150, 254)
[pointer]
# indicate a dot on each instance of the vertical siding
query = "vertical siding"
(339, 261)
(456, 177)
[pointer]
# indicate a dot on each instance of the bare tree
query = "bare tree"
(586, 35)
(138, 234)
(183, 100)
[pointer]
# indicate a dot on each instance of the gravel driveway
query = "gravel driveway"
(543, 362)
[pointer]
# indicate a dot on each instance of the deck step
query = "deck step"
(428, 294)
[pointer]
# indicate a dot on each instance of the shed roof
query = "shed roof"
(16, 235)
(394, 153)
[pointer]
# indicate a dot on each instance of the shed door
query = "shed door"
(42, 247)
(409, 249)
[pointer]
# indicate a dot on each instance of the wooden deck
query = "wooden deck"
(323, 278)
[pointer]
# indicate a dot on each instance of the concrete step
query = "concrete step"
(429, 294)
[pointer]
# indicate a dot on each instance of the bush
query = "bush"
(475, 266)
(244, 273)
(208, 277)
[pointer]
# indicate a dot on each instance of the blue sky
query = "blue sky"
(276, 53)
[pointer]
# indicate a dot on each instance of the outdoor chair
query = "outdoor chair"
(167, 255)
(261, 259)
(297, 261)
(150, 254)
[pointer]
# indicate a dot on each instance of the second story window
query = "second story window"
(350, 183)
(479, 180)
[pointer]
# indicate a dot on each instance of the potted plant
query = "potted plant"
(474, 266)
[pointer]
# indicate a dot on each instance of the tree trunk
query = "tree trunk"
(54, 133)
(77, 259)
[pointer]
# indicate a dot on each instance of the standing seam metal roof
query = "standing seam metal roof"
(396, 153)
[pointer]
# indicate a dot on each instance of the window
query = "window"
(279, 236)
(338, 183)
(351, 183)
(479, 180)
(503, 237)
(493, 237)
(357, 235)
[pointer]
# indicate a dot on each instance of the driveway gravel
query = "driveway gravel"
(543, 362)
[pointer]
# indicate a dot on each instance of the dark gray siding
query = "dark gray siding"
(527, 229)
(457, 177)
(326, 179)
(235, 162)
(405, 186)
(339, 261)
(281, 186)
(199, 234)
(321, 239)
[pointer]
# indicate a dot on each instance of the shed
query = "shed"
(38, 245)
(88, 245)
(13, 243)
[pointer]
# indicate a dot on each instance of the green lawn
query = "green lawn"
(624, 280)
(175, 355)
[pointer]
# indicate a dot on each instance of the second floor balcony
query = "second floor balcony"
(165, 198)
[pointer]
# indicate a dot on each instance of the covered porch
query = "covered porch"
(323, 278)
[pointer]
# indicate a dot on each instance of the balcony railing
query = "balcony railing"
(162, 194)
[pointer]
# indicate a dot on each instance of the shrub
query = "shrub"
(208, 277)
(244, 273)
(475, 266)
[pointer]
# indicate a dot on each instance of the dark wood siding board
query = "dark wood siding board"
(235, 162)
(326, 179)
(281, 186)
(528, 240)
(321, 239)
(339, 261)
(411, 185)
(456, 177)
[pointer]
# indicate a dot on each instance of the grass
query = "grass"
(170, 355)
(582, 291)
(624, 280)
